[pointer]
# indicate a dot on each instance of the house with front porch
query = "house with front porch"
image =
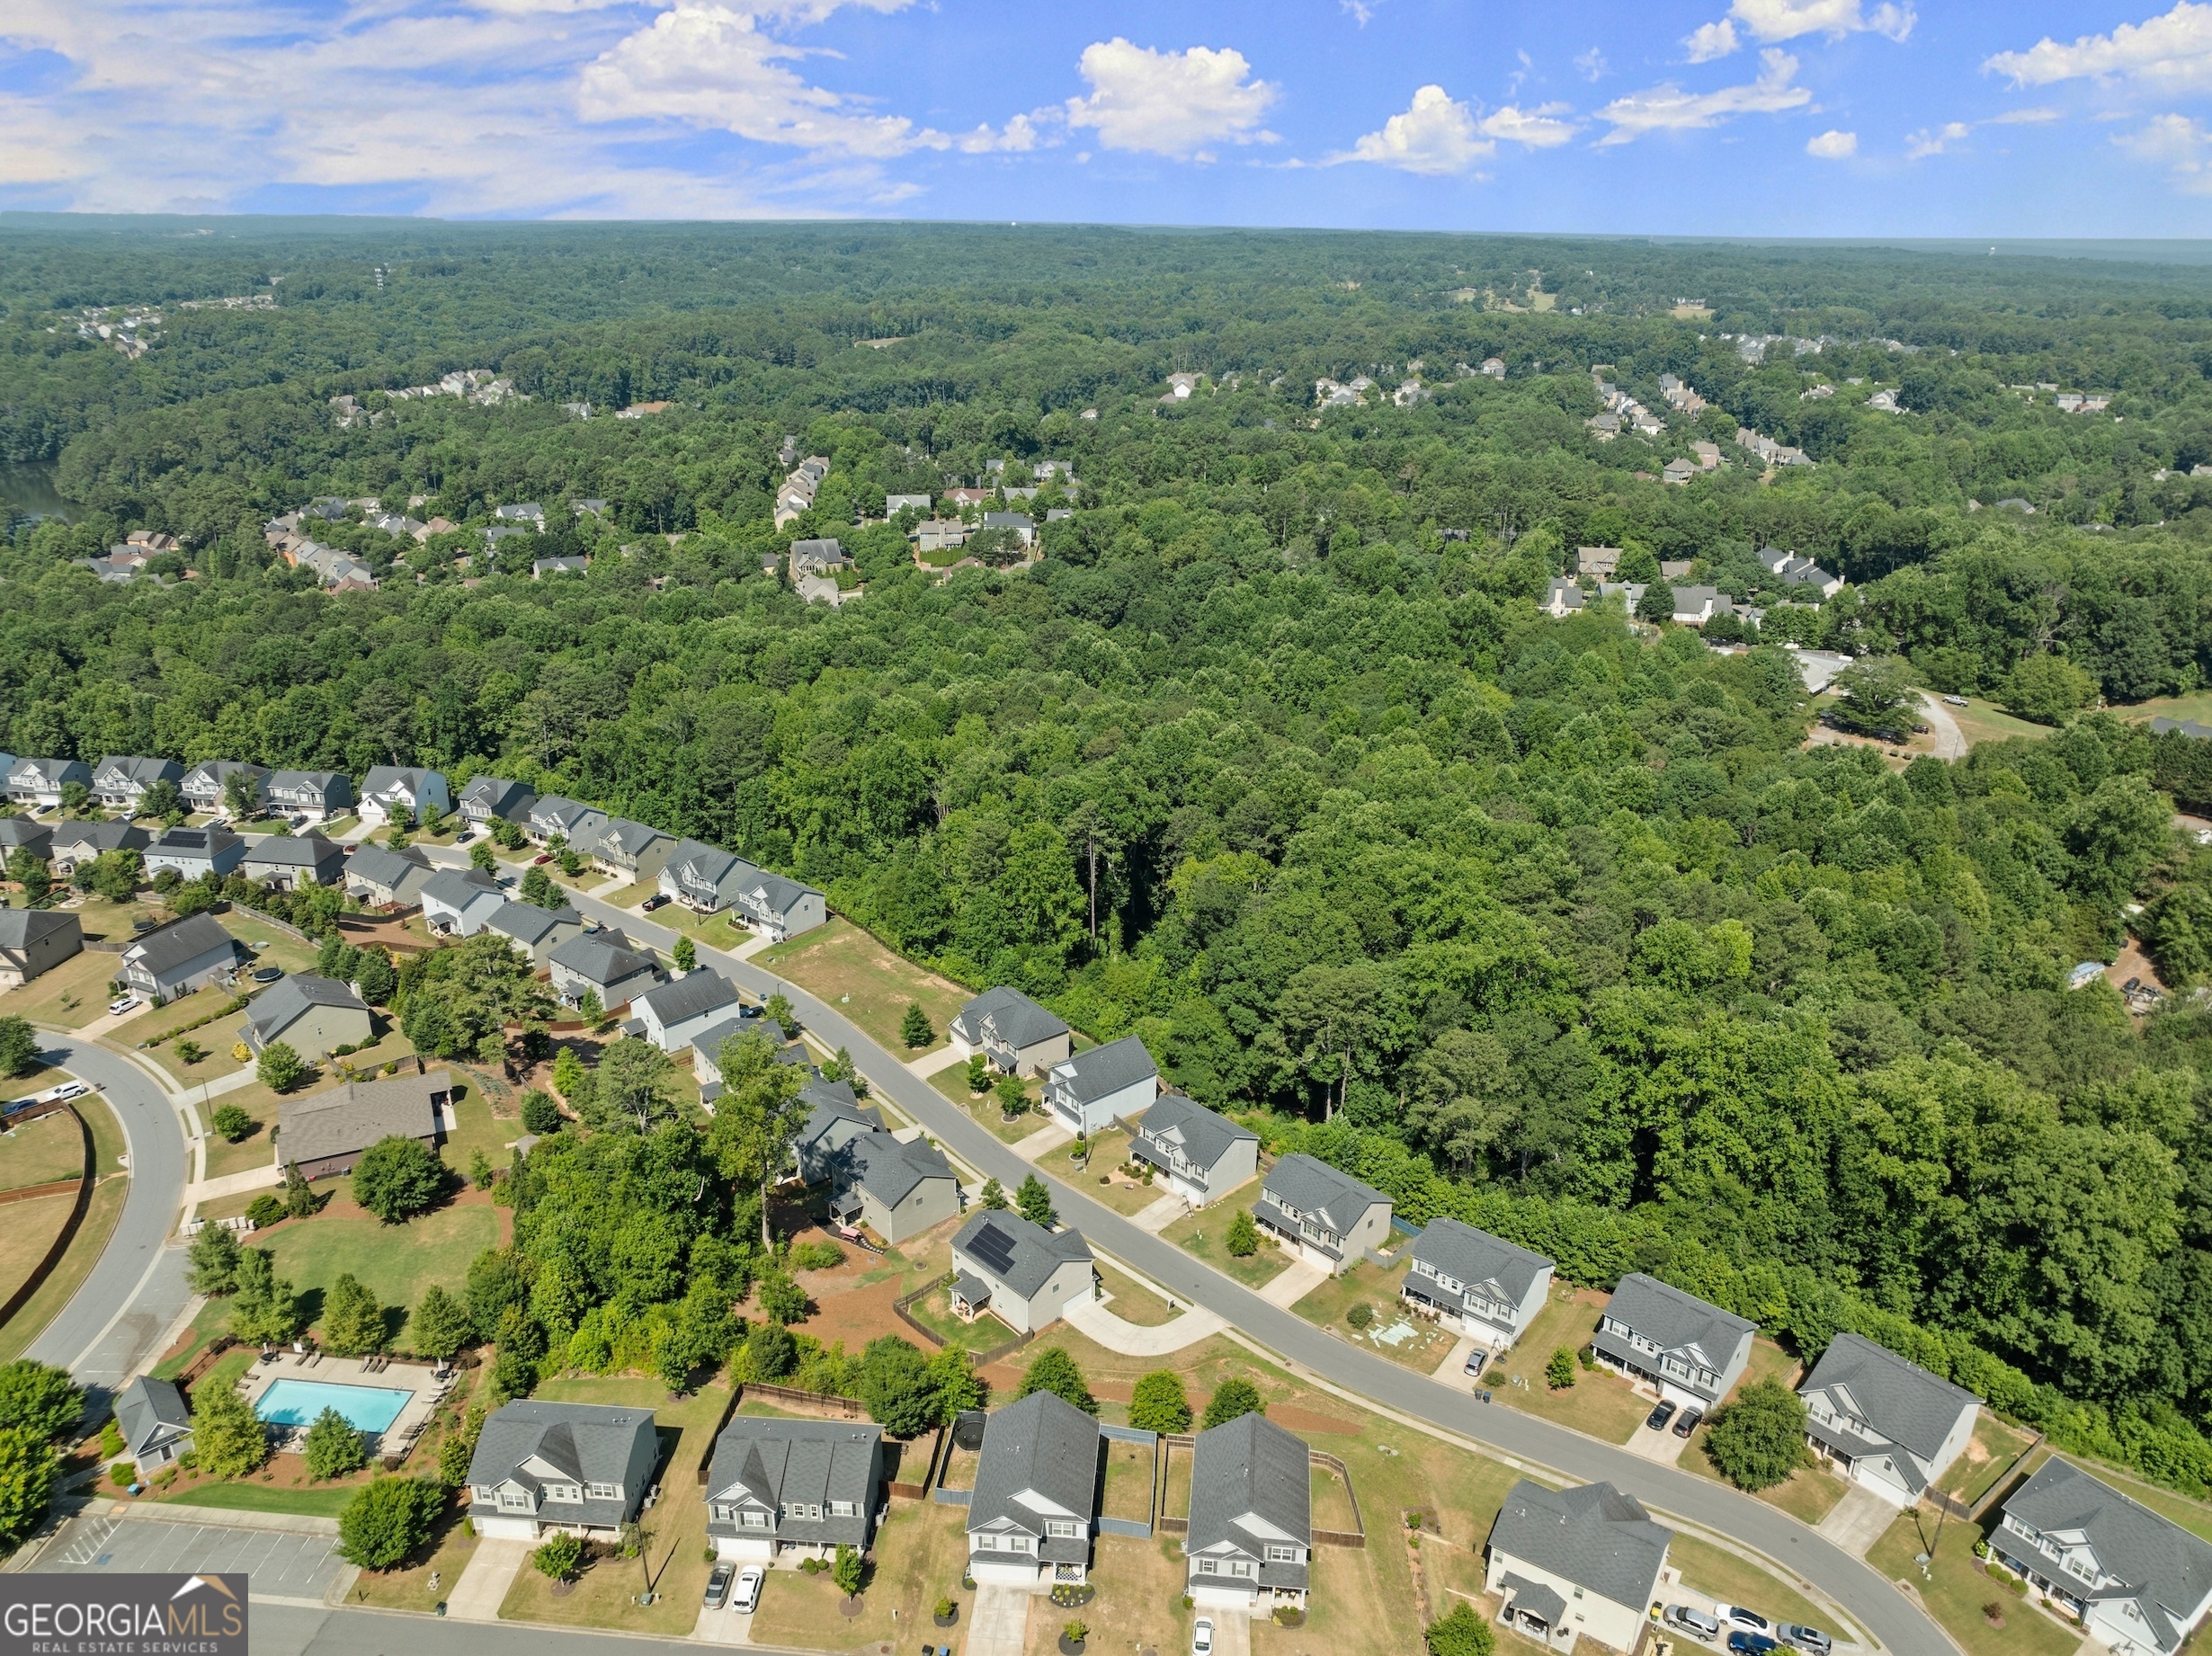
(119, 781)
(704, 879)
(1249, 1544)
(1692, 1352)
(2140, 1583)
(1016, 1035)
(621, 846)
(206, 786)
(1476, 1283)
(74, 844)
(1090, 1090)
(489, 799)
(1021, 1273)
(1576, 1563)
(284, 862)
(398, 793)
(316, 796)
(778, 908)
(807, 1487)
(1323, 1215)
(1201, 1154)
(460, 901)
(1884, 1423)
(39, 782)
(554, 816)
(581, 1468)
(1033, 1512)
(179, 957)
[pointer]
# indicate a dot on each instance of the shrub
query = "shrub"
(1360, 1314)
(846, 1572)
(1233, 1397)
(1244, 1238)
(1462, 1632)
(334, 1447)
(1012, 1097)
(233, 1122)
(979, 1073)
(540, 1114)
(824, 1255)
(782, 1299)
(387, 1520)
(896, 1386)
(1758, 1440)
(944, 1608)
(557, 1559)
(123, 1474)
(262, 1210)
(1559, 1372)
(479, 1170)
(397, 1178)
(1034, 1202)
(190, 1052)
(771, 1351)
(226, 1436)
(1076, 1631)
(281, 1068)
(1053, 1370)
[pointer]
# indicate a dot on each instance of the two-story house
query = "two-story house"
(554, 816)
(286, 862)
(1692, 1352)
(1326, 1217)
(488, 799)
(1251, 1540)
(604, 962)
(400, 793)
(582, 1468)
(2140, 1582)
(534, 931)
(311, 796)
(179, 957)
(1016, 1035)
(807, 1487)
(383, 878)
(1090, 1090)
(460, 901)
(835, 1117)
(206, 786)
(1021, 1273)
(1476, 1283)
(311, 1014)
(39, 782)
(24, 834)
(1202, 1154)
(675, 1014)
(195, 852)
(1033, 1512)
(897, 1188)
(704, 879)
(119, 781)
(1577, 1563)
(74, 844)
(621, 846)
(35, 940)
(1885, 1422)
(778, 908)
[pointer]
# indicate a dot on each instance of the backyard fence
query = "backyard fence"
(981, 1360)
(788, 1396)
(1356, 1537)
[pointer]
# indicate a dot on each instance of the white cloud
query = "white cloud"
(2024, 118)
(1540, 128)
(1177, 105)
(2181, 145)
(1786, 20)
(1707, 41)
(1592, 65)
(1667, 108)
(2169, 53)
(1832, 146)
(1934, 140)
(1438, 136)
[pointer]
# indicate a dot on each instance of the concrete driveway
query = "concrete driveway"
(1138, 1339)
(999, 1620)
(1294, 1284)
(1859, 1520)
(483, 1587)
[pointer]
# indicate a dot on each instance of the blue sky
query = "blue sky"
(1727, 117)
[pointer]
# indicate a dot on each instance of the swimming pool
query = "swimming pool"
(297, 1403)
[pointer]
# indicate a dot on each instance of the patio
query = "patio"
(424, 1387)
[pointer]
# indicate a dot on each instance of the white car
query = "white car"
(1202, 1637)
(68, 1089)
(747, 1598)
(1736, 1615)
(116, 1007)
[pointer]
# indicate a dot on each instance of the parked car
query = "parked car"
(1474, 1363)
(1691, 1420)
(748, 1596)
(301, 821)
(1800, 1637)
(68, 1089)
(117, 1007)
(656, 900)
(544, 857)
(464, 836)
(1750, 1643)
(2131, 985)
(1659, 1417)
(1202, 1637)
(1736, 1615)
(717, 1585)
(1954, 701)
(1696, 1623)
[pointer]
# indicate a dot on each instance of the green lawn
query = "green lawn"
(1599, 1403)
(953, 1084)
(70, 996)
(1954, 1590)
(933, 1310)
(1807, 1494)
(395, 1261)
(1206, 1232)
(43, 1152)
(252, 1497)
(1995, 1446)
(1731, 1579)
(83, 1252)
(867, 979)
(1132, 1302)
(1103, 1181)
(160, 1020)
(1392, 1330)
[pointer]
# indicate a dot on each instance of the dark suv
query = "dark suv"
(1658, 1417)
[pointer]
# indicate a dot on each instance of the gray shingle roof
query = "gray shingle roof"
(1019, 1021)
(496, 796)
(295, 786)
(1316, 1188)
(2166, 1567)
(20, 928)
(1018, 1256)
(1534, 1598)
(526, 922)
(382, 776)
(888, 1170)
(355, 1116)
(193, 843)
(557, 813)
(283, 850)
(179, 942)
(1901, 1401)
(1252, 1468)
(833, 1100)
(590, 1443)
(373, 865)
(621, 834)
(137, 771)
(289, 997)
(16, 831)
(790, 1463)
(1043, 1443)
(148, 1404)
(1479, 1259)
(1675, 1321)
(688, 997)
(1105, 1069)
(1595, 1537)
(458, 887)
(601, 957)
(76, 839)
(701, 867)
(777, 894)
(1203, 1136)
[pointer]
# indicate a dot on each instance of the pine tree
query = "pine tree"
(353, 1321)
(1244, 1238)
(1035, 1202)
(994, 1196)
(914, 1027)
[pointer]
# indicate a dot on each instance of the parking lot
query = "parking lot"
(284, 1566)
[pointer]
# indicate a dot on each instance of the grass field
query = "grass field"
(1599, 1403)
(1129, 1492)
(1954, 1590)
(1393, 1331)
(48, 1149)
(921, 1549)
(27, 1230)
(1983, 721)
(1108, 1150)
(1205, 1233)
(953, 1084)
(867, 981)
(159, 1021)
(69, 997)
(1994, 1445)
(933, 1310)
(1132, 1302)
(395, 1262)
(252, 1497)
(85, 1249)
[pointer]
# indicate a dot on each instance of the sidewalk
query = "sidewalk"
(233, 1184)
(1090, 1317)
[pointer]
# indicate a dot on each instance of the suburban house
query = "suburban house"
(554, 817)
(778, 908)
(193, 852)
(1094, 1089)
(493, 798)
(1476, 1283)
(1023, 526)
(1885, 1422)
(1251, 1517)
(318, 795)
(1800, 573)
(1021, 1273)
(896, 1187)
(817, 558)
(458, 901)
(803, 1486)
(620, 846)
(2139, 1582)
(156, 1421)
(1019, 1037)
(538, 1467)
(603, 963)
(834, 1118)
(80, 842)
(285, 863)
(560, 564)
(707, 1051)
(206, 787)
(312, 1015)
(24, 834)
(119, 781)
(704, 879)
(937, 534)
(893, 504)
(1575, 1564)
(1203, 1155)
(1691, 1351)
(394, 792)
(35, 940)
(1696, 605)
(179, 957)
(1563, 597)
(387, 879)
(1030, 1515)
(675, 1014)
(323, 1134)
(1325, 1216)
(1598, 563)
(535, 931)
(40, 781)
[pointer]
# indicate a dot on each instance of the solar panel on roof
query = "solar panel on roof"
(994, 1247)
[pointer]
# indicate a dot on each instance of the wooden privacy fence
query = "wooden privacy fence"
(1317, 1457)
(791, 1397)
(980, 1359)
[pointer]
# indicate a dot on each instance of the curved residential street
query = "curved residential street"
(1880, 1610)
(113, 1325)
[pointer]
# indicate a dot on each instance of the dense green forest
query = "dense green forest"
(1554, 916)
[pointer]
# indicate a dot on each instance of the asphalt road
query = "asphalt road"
(111, 1326)
(1877, 1607)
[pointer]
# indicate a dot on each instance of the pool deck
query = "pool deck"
(421, 1383)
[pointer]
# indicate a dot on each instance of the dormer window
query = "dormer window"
(1064, 1528)
(606, 1491)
